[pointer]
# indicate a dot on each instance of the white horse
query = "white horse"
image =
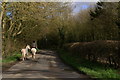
(25, 52)
(33, 50)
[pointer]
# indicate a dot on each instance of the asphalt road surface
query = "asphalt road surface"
(47, 65)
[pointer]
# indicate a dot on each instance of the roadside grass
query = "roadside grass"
(93, 69)
(16, 56)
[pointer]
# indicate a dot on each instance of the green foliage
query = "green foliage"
(98, 10)
(103, 24)
(16, 56)
(31, 22)
(94, 69)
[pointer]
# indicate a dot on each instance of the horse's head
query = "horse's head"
(28, 46)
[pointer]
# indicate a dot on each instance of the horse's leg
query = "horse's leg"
(23, 56)
(26, 55)
(23, 59)
(33, 55)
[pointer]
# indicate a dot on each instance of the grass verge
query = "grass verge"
(93, 69)
(9, 59)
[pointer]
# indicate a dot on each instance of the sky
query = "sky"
(78, 6)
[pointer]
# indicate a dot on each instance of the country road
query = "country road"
(46, 65)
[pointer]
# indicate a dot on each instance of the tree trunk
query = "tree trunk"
(1, 24)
